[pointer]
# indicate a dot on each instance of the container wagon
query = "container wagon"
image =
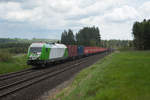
(80, 51)
(93, 50)
(72, 51)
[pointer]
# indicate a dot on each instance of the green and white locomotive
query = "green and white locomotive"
(43, 53)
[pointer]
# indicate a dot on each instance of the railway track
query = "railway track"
(14, 74)
(7, 89)
(27, 74)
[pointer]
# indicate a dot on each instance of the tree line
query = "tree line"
(15, 47)
(88, 36)
(124, 44)
(141, 33)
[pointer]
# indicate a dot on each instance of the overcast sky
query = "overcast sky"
(48, 18)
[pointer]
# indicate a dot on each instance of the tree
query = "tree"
(88, 36)
(68, 38)
(64, 37)
(141, 33)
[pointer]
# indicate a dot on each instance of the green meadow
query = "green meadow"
(120, 76)
(12, 63)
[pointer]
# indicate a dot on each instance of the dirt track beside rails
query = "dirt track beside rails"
(35, 91)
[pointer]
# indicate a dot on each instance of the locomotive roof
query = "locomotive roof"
(48, 45)
(37, 44)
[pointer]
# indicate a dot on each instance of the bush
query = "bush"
(16, 50)
(5, 56)
(125, 49)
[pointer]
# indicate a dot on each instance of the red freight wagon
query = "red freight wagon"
(72, 50)
(89, 50)
(101, 49)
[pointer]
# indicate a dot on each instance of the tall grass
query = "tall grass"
(120, 76)
(11, 63)
(5, 56)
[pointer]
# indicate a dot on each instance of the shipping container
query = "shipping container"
(90, 50)
(72, 50)
(80, 50)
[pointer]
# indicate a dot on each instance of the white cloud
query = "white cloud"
(12, 11)
(63, 8)
(122, 14)
(145, 10)
(108, 15)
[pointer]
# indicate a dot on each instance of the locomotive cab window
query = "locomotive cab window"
(35, 49)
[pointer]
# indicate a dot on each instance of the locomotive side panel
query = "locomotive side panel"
(57, 53)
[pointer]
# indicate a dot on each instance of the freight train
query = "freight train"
(42, 54)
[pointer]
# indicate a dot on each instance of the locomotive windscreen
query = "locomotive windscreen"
(35, 49)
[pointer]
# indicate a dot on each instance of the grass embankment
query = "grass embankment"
(11, 63)
(119, 76)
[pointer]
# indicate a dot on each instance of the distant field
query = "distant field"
(120, 76)
(13, 64)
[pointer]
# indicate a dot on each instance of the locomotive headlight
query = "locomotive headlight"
(38, 54)
(35, 56)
